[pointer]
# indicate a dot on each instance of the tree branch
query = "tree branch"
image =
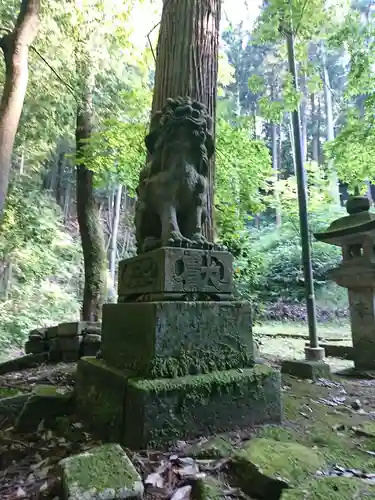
(67, 85)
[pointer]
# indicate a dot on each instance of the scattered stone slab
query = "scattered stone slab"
(66, 341)
(45, 402)
(11, 406)
(23, 362)
(103, 473)
(304, 369)
(215, 447)
(266, 467)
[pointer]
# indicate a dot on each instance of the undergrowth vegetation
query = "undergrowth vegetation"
(41, 264)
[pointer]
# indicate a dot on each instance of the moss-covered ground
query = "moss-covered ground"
(340, 434)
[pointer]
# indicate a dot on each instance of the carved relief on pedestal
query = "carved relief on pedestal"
(201, 271)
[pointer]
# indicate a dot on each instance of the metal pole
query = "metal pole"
(302, 202)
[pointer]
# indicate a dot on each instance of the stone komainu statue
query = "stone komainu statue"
(172, 191)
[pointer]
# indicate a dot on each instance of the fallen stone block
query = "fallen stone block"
(77, 328)
(23, 362)
(265, 467)
(38, 333)
(162, 410)
(338, 351)
(304, 369)
(105, 472)
(34, 346)
(51, 332)
(46, 402)
(69, 343)
(11, 406)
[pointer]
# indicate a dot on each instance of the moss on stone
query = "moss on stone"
(290, 461)
(6, 392)
(105, 472)
(46, 402)
(221, 356)
(211, 382)
(100, 395)
(330, 488)
(161, 410)
(215, 447)
(314, 425)
(208, 489)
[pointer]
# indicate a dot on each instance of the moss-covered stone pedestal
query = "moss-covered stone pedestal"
(177, 367)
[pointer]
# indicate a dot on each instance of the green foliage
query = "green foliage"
(353, 150)
(116, 152)
(41, 264)
(317, 193)
(243, 166)
(283, 277)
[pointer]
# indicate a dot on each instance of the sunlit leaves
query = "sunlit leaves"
(242, 167)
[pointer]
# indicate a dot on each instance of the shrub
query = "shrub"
(41, 265)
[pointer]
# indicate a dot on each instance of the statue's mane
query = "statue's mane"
(176, 113)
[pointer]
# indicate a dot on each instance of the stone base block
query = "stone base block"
(364, 358)
(100, 397)
(171, 273)
(306, 369)
(173, 339)
(339, 351)
(160, 411)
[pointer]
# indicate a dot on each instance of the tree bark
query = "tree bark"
(187, 64)
(91, 231)
(15, 46)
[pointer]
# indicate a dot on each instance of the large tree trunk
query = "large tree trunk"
(91, 231)
(15, 46)
(187, 63)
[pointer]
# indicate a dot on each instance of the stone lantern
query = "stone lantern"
(355, 234)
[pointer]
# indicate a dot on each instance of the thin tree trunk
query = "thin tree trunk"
(89, 222)
(304, 118)
(15, 46)
(115, 225)
(333, 179)
(187, 63)
(291, 139)
(274, 146)
(315, 131)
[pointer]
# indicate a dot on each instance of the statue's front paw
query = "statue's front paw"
(176, 239)
(199, 241)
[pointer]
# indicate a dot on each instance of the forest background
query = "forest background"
(255, 206)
